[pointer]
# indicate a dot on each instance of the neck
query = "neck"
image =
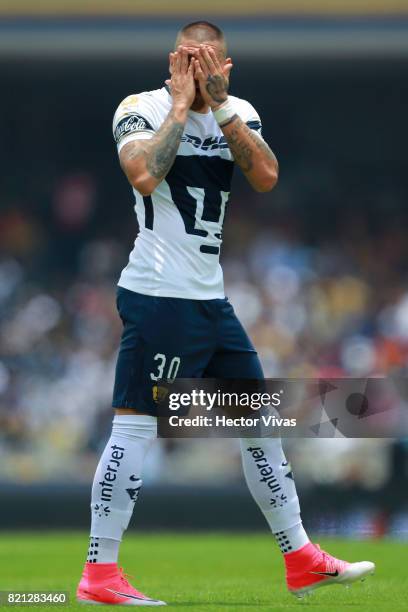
(199, 106)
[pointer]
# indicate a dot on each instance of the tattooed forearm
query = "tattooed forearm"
(245, 144)
(163, 151)
(157, 154)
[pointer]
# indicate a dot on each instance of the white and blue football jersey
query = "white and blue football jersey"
(176, 252)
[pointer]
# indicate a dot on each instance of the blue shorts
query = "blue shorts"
(165, 338)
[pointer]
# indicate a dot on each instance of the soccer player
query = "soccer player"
(177, 146)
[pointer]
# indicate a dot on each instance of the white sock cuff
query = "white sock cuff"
(133, 426)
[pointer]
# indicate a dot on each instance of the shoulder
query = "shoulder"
(139, 101)
(137, 116)
(244, 108)
(247, 113)
(139, 112)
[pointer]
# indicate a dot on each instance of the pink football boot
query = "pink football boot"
(105, 583)
(310, 567)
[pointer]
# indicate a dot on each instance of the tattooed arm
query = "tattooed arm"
(249, 149)
(147, 162)
(252, 154)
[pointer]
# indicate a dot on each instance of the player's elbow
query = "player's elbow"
(267, 181)
(143, 183)
(144, 190)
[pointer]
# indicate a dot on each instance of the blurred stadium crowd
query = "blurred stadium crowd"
(320, 296)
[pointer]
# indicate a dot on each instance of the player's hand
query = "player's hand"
(212, 76)
(181, 83)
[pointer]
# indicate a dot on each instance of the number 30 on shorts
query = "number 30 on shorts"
(162, 372)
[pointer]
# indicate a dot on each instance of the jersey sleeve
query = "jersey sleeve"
(250, 116)
(135, 119)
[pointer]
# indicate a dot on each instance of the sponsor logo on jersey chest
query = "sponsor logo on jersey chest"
(209, 143)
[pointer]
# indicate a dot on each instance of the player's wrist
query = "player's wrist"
(217, 105)
(180, 110)
(224, 112)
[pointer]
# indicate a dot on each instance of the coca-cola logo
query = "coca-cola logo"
(130, 124)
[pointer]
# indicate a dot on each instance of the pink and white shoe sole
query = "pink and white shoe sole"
(352, 573)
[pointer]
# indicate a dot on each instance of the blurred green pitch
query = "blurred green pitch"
(205, 572)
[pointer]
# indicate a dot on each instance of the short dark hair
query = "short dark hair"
(203, 30)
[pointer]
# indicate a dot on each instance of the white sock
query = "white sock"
(117, 483)
(269, 478)
(103, 550)
(291, 539)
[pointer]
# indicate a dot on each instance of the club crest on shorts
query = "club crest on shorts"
(159, 394)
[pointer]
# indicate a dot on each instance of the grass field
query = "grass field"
(207, 573)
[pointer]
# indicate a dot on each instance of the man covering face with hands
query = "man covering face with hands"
(178, 146)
